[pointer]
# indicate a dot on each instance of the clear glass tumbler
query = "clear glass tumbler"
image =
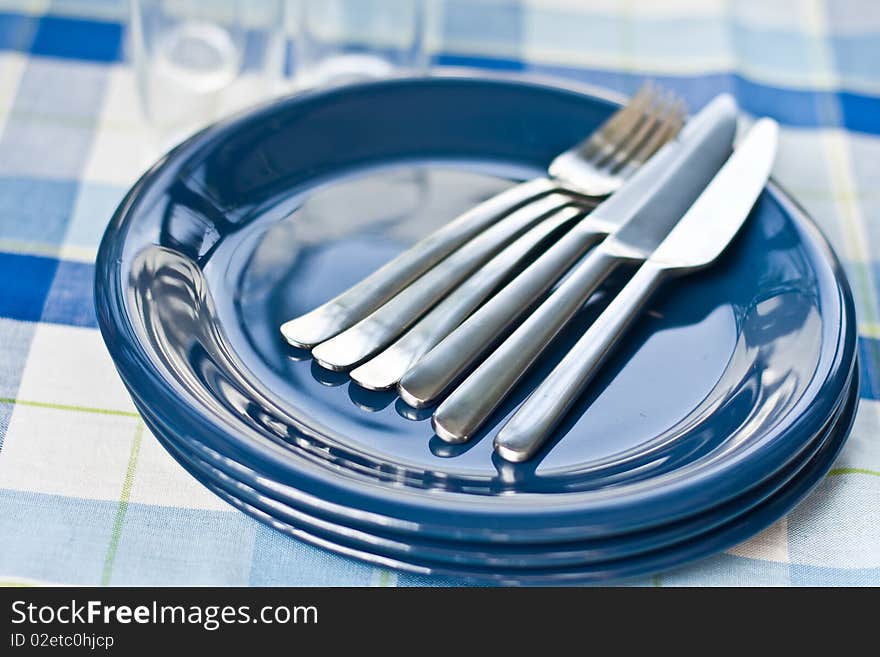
(198, 60)
(338, 41)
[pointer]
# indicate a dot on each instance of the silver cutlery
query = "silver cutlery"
(696, 242)
(588, 172)
(383, 371)
(650, 202)
(674, 183)
(357, 343)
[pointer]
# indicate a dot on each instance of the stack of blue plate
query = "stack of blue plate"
(728, 401)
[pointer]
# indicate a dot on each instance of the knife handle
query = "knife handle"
(462, 414)
(542, 411)
(357, 302)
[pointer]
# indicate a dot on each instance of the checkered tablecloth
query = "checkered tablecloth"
(87, 495)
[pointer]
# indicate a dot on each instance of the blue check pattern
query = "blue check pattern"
(88, 496)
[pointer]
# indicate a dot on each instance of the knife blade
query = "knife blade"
(696, 241)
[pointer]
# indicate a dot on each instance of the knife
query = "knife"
(649, 208)
(695, 242)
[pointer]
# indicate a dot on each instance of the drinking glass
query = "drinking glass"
(338, 41)
(198, 60)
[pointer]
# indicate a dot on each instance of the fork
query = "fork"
(582, 175)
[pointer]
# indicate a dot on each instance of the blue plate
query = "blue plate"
(283, 504)
(722, 383)
(798, 482)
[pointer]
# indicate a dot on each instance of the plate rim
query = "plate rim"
(727, 535)
(784, 477)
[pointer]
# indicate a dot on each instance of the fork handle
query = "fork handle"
(539, 415)
(462, 414)
(378, 329)
(386, 369)
(437, 372)
(358, 301)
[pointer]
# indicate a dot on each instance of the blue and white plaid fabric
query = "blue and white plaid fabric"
(87, 496)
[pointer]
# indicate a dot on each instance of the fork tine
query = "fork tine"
(623, 131)
(633, 138)
(647, 134)
(669, 127)
(665, 132)
(603, 131)
(619, 124)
